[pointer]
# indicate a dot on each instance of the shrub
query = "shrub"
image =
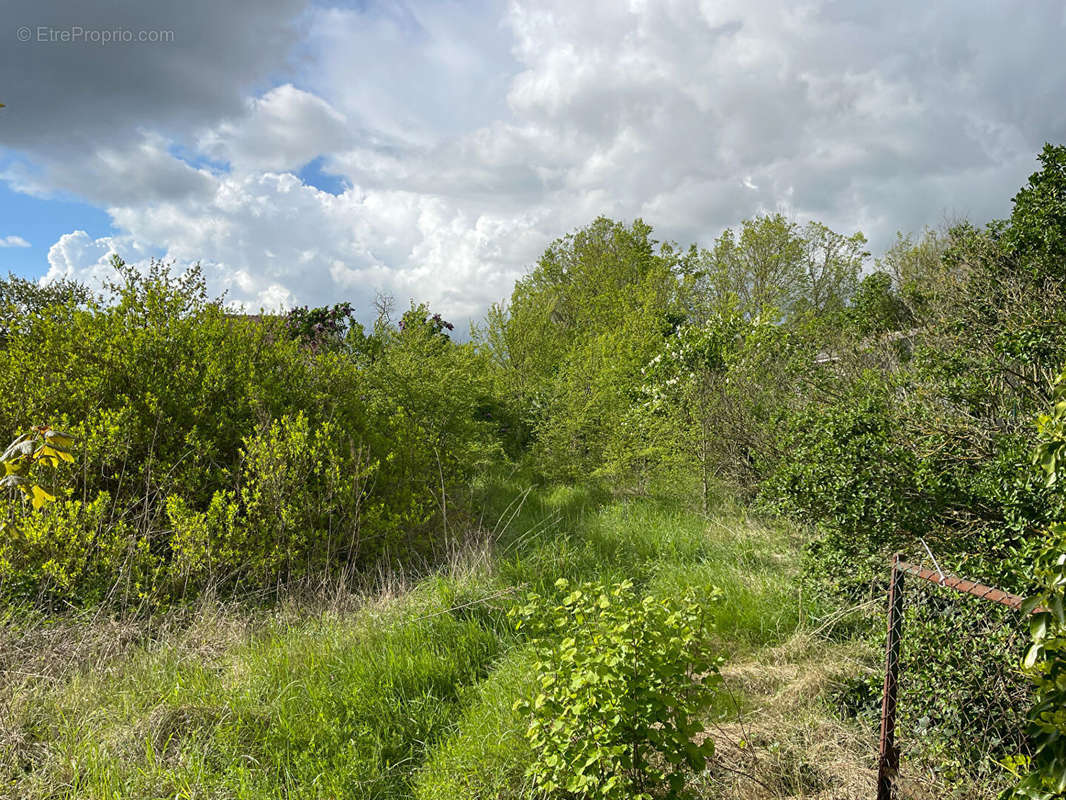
(69, 549)
(1045, 661)
(253, 449)
(623, 681)
(847, 471)
(298, 509)
(1045, 664)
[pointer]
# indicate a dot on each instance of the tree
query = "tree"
(576, 333)
(21, 298)
(918, 269)
(830, 265)
(772, 263)
(1036, 233)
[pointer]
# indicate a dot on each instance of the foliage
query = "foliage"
(1036, 236)
(925, 432)
(706, 401)
(1045, 664)
(876, 307)
(73, 550)
(317, 327)
(394, 695)
(623, 682)
(298, 509)
(43, 446)
(962, 702)
(849, 473)
(578, 329)
(774, 264)
(243, 456)
(1045, 661)
(20, 297)
(418, 316)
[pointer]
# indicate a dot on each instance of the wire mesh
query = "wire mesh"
(962, 700)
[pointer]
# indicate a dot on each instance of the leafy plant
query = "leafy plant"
(418, 316)
(316, 327)
(299, 507)
(43, 446)
(1045, 661)
(623, 681)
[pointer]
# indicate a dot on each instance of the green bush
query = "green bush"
(623, 683)
(299, 508)
(238, 449)
(69, 549)
(1045, 662)
(848, 473)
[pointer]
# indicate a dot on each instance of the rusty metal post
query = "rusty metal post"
(888, 758)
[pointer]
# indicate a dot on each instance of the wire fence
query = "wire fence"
(954, 701)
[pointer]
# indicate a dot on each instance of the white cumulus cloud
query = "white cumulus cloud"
(464, 137)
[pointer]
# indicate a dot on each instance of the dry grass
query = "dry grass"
(783, 741)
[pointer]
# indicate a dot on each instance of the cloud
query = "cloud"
(467, 136)
(78, 255)
(13, 241)
(280, 131)
(272, 238)
(141, 172)
(77, 94)
(414, 72)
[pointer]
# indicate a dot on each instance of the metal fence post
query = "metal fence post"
(888, 759)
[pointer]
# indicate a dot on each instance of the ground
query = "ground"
(407, 689)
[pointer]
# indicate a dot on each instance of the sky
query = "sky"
(312, 153)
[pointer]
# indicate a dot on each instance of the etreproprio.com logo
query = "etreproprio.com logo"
(77, 34)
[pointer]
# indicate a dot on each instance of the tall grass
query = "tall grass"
(406, 693)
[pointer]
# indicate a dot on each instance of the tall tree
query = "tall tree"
(577, 331)
(1036, 234)
(829, 268)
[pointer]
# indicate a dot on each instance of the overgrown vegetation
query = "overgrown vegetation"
(406, 691)
(1044, 774)
(215, 454)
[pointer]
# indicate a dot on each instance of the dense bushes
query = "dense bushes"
(1044, 773)
(218, 448)
(299, 509)
(570, 345)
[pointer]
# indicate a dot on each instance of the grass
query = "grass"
(408, 692)
(335, 705)
(786, 742)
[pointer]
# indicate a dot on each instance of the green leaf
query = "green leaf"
(1032, 655)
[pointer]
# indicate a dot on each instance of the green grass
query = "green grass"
(487, 753)
(325, 707)
(408, 694)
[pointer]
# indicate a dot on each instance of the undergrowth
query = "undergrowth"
(406, 691)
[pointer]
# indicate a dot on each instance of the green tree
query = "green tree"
(772, 263)
(1036, 232)
(576, 333)
(830, 266)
